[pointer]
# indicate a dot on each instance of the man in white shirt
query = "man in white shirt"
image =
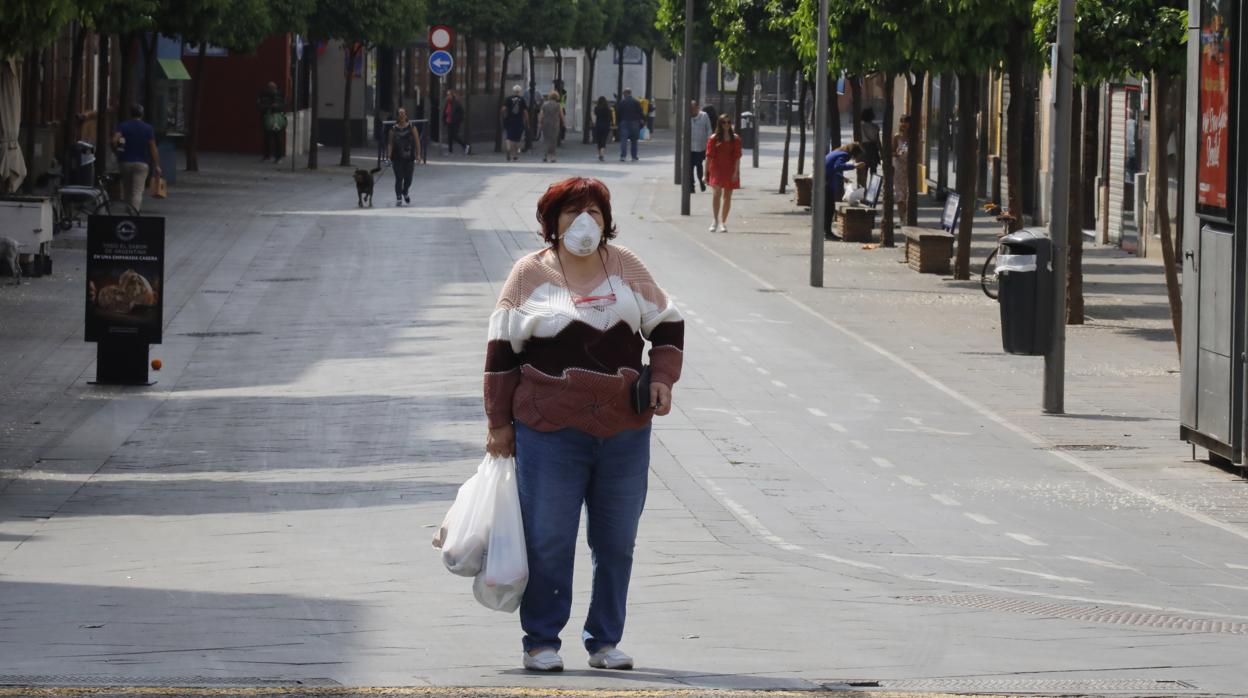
(700, 133)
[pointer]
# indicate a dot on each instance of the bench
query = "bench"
(928, 250)
(856, 222)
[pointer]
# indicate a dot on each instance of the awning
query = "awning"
(173, 69)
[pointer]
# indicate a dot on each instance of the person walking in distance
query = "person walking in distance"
(272, 111)
(453, 117)
(838, 161)
(550, 123)
(602, 125)
(700, 132)
(901, 167)
(871, 146)
(723, 165)
(404, 152)
(629, 116)
(135, 140)
(515, 118)
(564, 351)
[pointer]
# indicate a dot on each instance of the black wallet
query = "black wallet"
(641, 391)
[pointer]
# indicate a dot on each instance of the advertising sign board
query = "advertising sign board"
(125, 278)
(1213, 153)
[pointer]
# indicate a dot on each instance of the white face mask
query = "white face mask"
(583, 236)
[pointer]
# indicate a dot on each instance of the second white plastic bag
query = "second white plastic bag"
(465, 532)
(500, 584)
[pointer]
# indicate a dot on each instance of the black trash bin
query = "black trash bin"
(749, 133)
(1025, 277)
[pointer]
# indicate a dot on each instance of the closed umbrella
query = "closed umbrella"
(12, 163)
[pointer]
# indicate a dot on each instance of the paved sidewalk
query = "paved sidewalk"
(854, 485)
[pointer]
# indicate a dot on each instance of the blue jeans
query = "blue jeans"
(630, 132)
(556, 473)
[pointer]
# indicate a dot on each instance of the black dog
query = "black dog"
(364, 186)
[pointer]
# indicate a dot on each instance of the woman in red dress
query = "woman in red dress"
(723, 170)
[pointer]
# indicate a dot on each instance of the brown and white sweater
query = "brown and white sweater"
(551, 364)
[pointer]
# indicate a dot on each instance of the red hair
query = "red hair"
(575, 193)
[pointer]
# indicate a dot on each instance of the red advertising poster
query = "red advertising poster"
(1213, 166)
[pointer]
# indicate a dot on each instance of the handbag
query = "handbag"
(640, 391)
(275, 121)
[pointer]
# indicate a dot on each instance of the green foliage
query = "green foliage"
(32, 24)
(669, 20)
(544, 24)
(955, 36)
(1117, 38)
(754, 34)
(368, 22)
(491, 20)
(636, 25)
(595, 23)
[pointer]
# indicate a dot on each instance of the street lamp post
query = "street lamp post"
(686, 187)
(1063, 78)
(819, 193)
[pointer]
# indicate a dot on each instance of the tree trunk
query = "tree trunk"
(968, 161)
(149, 76)
(125, 83)
(834, 119)
(470, 83)
(101, 106)
(68, 130)
(1160, 181)
(344, 159)
(559, 64)
(801, 126)
(1074, 218)
(1091, 115)
(315, 96)
(591, 54)
(528, 133)
(1018, 34)
(619, 73)
(855, 119)
(737, 100)
(788, 132)
(886, 160)
(192, 143)
(502, 91)
(916, 145)
(649, 73)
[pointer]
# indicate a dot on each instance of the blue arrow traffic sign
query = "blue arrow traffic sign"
(440, 63)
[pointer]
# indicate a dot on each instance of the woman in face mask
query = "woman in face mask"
(567, 394)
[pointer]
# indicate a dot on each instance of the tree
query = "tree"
(479, 21)
(595, 23)
(359, 26)
(1114, 39)
(543, 24)
(123, 19)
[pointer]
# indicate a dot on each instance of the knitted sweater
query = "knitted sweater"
(551, 364)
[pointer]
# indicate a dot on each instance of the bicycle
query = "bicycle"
(71, 202)
(988, 280)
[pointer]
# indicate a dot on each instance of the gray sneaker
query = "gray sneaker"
(545, 660)
(610, 658)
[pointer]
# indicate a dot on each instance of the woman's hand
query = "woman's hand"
(501, 441)
(660, 399)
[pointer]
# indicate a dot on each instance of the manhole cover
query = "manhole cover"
(1091, 614)
(1017, 685)
(224, 333)
(87, 680)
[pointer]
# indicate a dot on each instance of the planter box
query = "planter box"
(803, 184)
(928, 250)
(855, 223)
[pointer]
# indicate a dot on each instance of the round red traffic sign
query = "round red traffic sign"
(441, 37)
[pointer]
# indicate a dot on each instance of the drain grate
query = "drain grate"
(226, 333)
(102, 681)
(1095, 447)
(1017, 685)
(1091, 614)
(284, 279)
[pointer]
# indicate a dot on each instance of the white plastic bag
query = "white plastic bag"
(466, 529)
(854, 195)
(500, 585)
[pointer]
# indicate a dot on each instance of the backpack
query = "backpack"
(404, 143)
